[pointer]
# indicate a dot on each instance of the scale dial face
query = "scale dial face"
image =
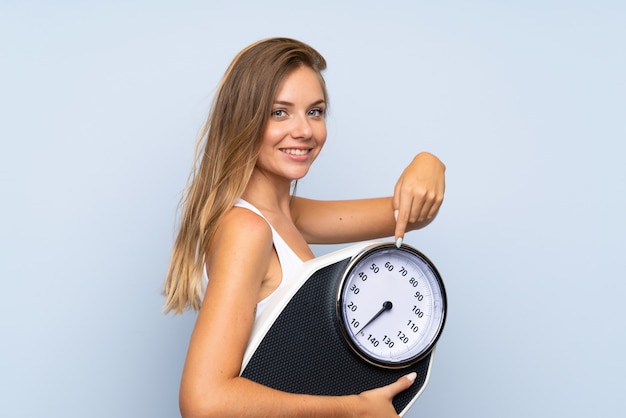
(391, 305)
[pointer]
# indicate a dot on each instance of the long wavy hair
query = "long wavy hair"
(226, 154)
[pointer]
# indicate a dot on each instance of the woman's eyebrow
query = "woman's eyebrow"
(286, 103)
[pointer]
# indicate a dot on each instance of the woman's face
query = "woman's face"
(296, 130)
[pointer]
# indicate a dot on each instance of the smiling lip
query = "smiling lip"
(296, 151)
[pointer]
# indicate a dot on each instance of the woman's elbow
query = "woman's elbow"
(198, 407)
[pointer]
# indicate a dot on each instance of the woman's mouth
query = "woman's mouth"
(296, 151)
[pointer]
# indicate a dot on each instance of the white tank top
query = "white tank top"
(289, 260)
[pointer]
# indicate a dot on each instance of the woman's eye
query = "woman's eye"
(278, 113)
(316, 112)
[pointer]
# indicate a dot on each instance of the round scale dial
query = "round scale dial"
(391, 305)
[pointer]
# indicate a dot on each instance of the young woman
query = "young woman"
(243, 233)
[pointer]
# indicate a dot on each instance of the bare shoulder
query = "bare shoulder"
(241, 231)
(241, 221)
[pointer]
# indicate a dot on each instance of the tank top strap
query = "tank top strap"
(244, 204)
(282, 248)
(289, 261)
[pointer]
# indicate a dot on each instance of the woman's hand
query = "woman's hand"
(418, 193)
(377, 402)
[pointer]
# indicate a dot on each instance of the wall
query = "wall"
(100, 105)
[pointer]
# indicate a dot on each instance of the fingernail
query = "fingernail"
(399, 242)
(412, 376)
(395, 214)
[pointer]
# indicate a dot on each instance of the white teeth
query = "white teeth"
(296, 151)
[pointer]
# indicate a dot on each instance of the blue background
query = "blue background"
(100, 106)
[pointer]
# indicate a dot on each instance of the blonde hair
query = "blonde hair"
(226, 154)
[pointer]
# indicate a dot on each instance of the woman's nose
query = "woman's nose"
(301, 128)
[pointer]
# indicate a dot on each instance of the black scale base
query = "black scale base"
(304, 351)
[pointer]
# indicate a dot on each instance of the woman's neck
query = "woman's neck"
(268, 193)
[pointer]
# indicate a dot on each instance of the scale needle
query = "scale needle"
(386, 306)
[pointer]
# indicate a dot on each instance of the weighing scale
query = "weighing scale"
(353, 320)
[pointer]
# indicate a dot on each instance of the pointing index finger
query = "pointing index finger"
(401, 223)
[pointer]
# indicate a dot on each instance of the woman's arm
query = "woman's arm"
(340, 221)
(416, 200)
(237, 262)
